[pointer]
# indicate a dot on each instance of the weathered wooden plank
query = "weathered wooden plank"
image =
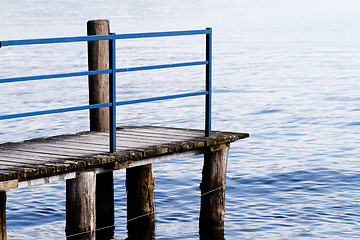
(34, 155)
(39, 170)
(77, 146)
(157, 134)
(81, 146)
(184, 133)
(17, 164)
(100, 146)
(21, 158)
(43, 161)
(168, 131)
(148, 137)
(57, 150)
(216, 135)
(99, 141)
(37, 152)
(6, 185)
(88, 143)
(49, 166)
(27, 173)
(93, 138)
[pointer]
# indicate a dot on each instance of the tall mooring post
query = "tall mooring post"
(98, 59)
(212, 210)
(3, 215)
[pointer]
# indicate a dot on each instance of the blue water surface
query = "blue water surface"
(285, 71)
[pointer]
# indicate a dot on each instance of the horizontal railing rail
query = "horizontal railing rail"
(52, 76)
(113, 71)
(102, 37)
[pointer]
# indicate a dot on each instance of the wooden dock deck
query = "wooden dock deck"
(84, 161)
(52, 158)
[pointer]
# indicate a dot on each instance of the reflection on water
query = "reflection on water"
(144, 231)
(285, 71)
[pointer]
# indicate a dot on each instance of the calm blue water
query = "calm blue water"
(285, 71)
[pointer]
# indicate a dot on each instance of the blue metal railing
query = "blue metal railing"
(112, 75)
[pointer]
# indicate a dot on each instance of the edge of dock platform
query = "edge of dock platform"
(170, 141)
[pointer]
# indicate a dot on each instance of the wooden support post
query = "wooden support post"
(3, 215)
(98, 59)
(80, 206)
(140, 185)
(212, 210)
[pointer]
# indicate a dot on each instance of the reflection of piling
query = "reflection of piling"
(212, 210)
(2, 215)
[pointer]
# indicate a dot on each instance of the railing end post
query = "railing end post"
(208, 82)
(112, 91)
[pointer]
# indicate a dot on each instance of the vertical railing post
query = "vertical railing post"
(208, 82)
(112, 92)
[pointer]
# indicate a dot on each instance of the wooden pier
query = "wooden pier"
(58, 157)
(85, 162)
(84, 156)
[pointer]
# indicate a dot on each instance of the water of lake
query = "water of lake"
(285, 71)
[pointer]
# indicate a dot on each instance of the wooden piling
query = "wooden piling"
(212, 210)
(140, 185)
(80, 206)
(3, 215)
(98, 59)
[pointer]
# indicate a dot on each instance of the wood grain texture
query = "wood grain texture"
(140, 185)
(98, 59)
(212, 210)
(81, 205)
